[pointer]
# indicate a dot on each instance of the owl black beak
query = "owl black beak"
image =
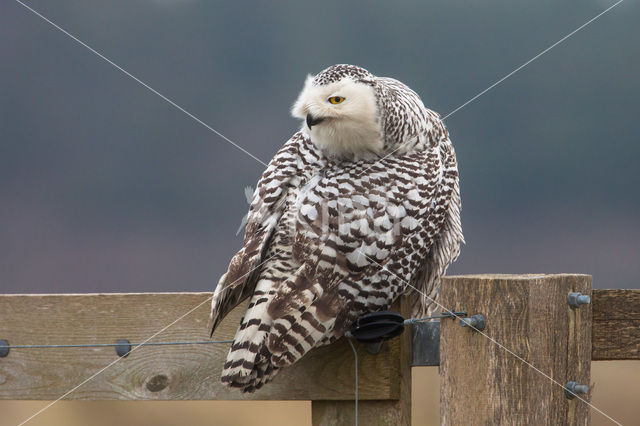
(312, 121)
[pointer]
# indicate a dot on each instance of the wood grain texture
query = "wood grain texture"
(482, 383)
(616, 304)
(370, 413)
(375, 413)
(161, 372)
(616, 324)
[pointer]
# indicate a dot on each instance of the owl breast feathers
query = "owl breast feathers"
(358, 207)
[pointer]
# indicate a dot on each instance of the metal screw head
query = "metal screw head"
(4, 348)
(478, 322)
(123, 347)
(572, 389)
(575, 300)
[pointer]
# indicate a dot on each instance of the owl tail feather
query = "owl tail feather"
(248, 364)
(240, 372)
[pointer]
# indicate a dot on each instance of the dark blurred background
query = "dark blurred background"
(105, 187)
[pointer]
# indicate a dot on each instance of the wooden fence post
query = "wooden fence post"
(482, 383)
(388, 412)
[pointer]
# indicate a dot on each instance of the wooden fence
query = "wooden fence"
(484, 379)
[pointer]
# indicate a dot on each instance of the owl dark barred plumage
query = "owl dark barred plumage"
(363, 199)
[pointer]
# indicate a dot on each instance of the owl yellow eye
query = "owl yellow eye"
(336, 99)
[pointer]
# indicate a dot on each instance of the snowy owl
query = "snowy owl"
(360, 206)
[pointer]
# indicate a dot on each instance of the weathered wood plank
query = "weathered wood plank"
(529, 315)
(616, 304)
(374, 413)
(160, 372)
(616, 339)
(370, 413)
(616, 325)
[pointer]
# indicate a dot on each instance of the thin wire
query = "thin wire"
(453, 315)
(111, 363)
(355, 356)
(102, 345)
(128, 74)
(135, 348)
(491, 339)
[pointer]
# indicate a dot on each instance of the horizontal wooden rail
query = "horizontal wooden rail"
(616, 325)
(161, 372)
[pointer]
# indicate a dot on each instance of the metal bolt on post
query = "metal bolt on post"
(575, 300)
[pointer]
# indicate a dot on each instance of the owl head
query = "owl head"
(340, 112)
(348, 112)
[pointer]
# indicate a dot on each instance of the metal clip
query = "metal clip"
(452, 315)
